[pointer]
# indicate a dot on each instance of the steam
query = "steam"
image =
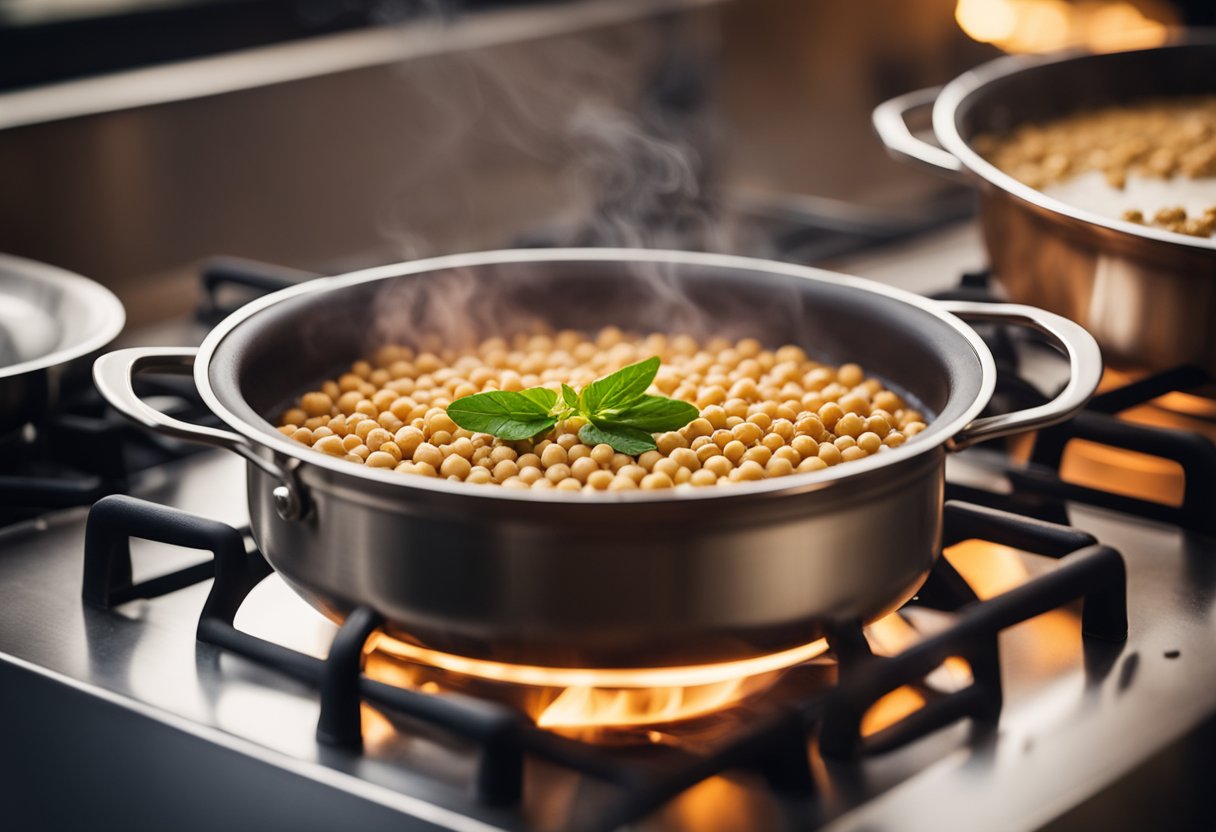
(627, 134)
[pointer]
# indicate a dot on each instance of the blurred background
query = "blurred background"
(139, 137)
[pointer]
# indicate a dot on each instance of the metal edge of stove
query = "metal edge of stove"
(263, 66)
(340, 782)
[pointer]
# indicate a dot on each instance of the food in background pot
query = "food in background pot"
(1152, 163)
(757, 413)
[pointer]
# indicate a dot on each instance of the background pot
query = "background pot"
(1147, 295)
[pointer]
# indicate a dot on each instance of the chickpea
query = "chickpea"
(720, 466)
(379, 459)
(666, 466)
(869, 442)
(668, 442)
(686, 458)
(479, 476)
(648, 459)
(582, 468)
(429, 454)
(749, 471)
(853, 453)
(316, 404)
(772, 441)
(502, 453)
(377, 437)
(529, 474)
(779, 467)
(620, 483)
(557, 473)
(504, 470)
(749, 433)
(759, 454)
(810, 464)
(553, 455)
(789, 454)
(656, 480)
(602, 454)
(600, 480)
(829, 453)
(633, 472)
(734, 451)
(331, 445)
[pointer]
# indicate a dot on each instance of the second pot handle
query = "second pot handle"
(114, 374)
(1084, 365)
(890, 120)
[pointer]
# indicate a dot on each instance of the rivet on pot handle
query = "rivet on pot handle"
(1084, 365)
(114, 374)
(890, 120)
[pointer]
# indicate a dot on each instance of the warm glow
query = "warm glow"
(1132, 473)
(1046, 25)
(572, 699)
(890, 709)
(580, 707)
(573, 677)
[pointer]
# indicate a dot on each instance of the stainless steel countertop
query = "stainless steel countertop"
(1069, 727)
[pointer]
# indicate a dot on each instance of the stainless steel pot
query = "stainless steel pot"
(1147, 295)
(630, 579)
(49, 319)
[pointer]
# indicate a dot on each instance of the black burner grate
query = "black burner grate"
(774, 745)
(1038, 487)
(83, 451)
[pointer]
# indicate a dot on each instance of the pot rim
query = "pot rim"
(934, 436)
(112, 315)
(973, 82)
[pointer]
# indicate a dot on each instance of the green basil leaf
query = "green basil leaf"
(619, 389)
(506, 414)
(623, 438)
(543, 396)
(657, 414)
(570, 397)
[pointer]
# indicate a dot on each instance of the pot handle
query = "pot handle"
(114, 374)
(1084, 365)
(890, 120)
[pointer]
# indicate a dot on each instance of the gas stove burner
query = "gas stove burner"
(766, 734)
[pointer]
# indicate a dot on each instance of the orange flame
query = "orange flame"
(566, 699)
(1046, 25)
(582, 707)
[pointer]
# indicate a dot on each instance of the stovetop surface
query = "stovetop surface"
(1073, 721)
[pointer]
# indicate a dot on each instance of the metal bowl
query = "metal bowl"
(623, 579)
(49, 318)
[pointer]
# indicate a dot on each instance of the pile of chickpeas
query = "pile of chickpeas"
(764, 413)
(1160, 139)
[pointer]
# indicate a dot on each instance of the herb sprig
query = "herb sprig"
(617, 408)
